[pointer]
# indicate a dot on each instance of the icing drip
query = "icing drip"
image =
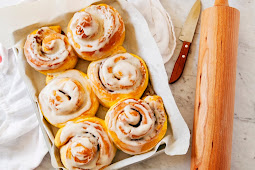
(122, 73)
(94, 27)
(47, 49)
(89, 146)
(65, 97)
(136, 122)
(86, 26)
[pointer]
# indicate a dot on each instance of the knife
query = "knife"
(187, 33)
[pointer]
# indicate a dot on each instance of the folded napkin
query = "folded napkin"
(160, 25)
(21, 141)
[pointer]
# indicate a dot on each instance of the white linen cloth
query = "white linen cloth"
(21, 142)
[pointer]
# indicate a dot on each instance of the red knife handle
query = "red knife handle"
(180, 62)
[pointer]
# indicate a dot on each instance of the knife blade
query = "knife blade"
(187, 34)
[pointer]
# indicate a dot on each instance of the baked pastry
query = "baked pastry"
(96, 32)
(136, 126)
(84, 144)
(49, 51)
(122, 75)
(67, 96)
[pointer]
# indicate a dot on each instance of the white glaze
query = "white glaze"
(155, 105)
(102, 24)
(124, 120)
(57, 51)
(126, 76)
(87, 134)
(66, 109)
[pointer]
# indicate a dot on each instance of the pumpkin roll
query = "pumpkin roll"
(49, 51)
(122, 75)
(136, 126)
(84, 144)
(96, 32)
(67, 96)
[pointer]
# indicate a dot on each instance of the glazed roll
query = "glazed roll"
(96, 32)
(85, 144)
(49, 51)
(67, 96)
(136, 126)
(120, 76)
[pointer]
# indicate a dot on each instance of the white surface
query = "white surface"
(243, 152)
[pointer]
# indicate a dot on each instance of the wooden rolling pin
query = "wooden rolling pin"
(215, 89)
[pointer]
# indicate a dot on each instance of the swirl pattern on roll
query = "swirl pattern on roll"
(85, 144)
(135, 125)
(119, 76)
(67, 97)
(96, 31)
(47, 50)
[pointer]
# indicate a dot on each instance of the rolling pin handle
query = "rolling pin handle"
(221, 3)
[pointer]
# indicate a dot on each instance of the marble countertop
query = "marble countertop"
(243, 150)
